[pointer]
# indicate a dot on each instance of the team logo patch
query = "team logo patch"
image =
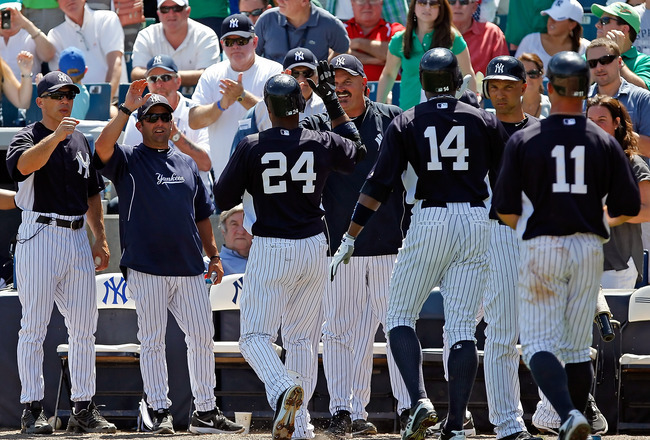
(164, 180)
(499, 68)
(62, 77)
(284, 132)
(442, 105)
(157, 60)
(84, 163)
(340, 62)
(299, 56)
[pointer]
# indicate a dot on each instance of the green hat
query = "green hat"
(620, 10)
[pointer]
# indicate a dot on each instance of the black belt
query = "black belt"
(72, 224)
(434, 204)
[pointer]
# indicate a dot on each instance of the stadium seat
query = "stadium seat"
(100, 102)
(372, 87)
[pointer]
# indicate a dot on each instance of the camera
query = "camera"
(6, 19)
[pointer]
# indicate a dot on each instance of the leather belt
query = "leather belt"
(72, 224)
(434, 204)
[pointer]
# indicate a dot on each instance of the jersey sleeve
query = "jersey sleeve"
(459, 44)
(395, 44)
(115, 168)
(344, 153)
(22, 141)
(230, 187)
(623, 197)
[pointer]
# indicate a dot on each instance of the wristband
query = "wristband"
(124, 110)
(218, 257)
(361, 214)
(219, 106)
(334, 109)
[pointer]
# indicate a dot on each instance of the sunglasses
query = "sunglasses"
(153, 117)
(165, 77)
(305, 73)
(432, 3)
(166, 9)
(604, 60)
(58, 96)
(462, 2)
(254, 12)
(605, 20)
(230, 42)
(534, 74)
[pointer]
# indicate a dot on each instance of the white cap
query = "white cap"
(178, 2)
(563, 9)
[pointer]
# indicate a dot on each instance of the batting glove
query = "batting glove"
(326, 89)
(343, 254)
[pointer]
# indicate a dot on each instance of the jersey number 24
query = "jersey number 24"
(301, 171)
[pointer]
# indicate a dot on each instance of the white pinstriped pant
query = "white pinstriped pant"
(188, 299)
(354, 305)
(285, 281)
(55, 265)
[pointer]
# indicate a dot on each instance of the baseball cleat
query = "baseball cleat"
(576, 427)
(163, 423)
(31, 424)
(421, 417)
(285, 414)
(452, 435)
(468, 425)
(363, 427)
(340, 425)
(213, 422)
(596, 419)
(521, 435)
(89, 420)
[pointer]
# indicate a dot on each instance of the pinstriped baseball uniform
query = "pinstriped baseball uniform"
(281, 175)
(54, 263)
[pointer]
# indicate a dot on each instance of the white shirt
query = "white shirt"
(199, 49)
(313, 106)
(10, 50)
(132, 135)
(99, 34)
(222, 132)
(642, 42)
(532, 43)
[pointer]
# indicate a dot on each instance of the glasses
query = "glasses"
(165, 77)
(166, 9)
(305, 73)
(604, 60)
(534, 74)
(153, 117)
(254, 12)
(230, 42)
(58, 96)
(363, 2)
(432, 3)
(462, 2)
(605, 20)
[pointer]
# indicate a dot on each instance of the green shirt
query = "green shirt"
(40, 4)
(209, 8)
(524, 18)
(639, 63)
(410, 88)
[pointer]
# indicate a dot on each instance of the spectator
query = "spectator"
(428, 25)
(563, 32)
(228, 89)
(237, 240)
(642, 42)
(73, 64)
(99, 36)
(484, 40)
(45, 14)
(24, 35)
(621, 23)
(253, 8)
(298, 23)
(393, 11)
(19, 93)
(369, 36)
(210, 13)
(523, 18)
(534, 102)
(192, 45)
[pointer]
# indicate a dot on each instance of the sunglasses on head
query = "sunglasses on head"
(605, 20)
(153, 117)
(604, 60)
(165, 77)
(306, 73)
(462, 2)
(254, 12)
(230, 42)
(433, 3)
(166, 9)
(534, 74)
(70, 95)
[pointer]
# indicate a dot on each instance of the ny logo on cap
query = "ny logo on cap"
(340, 61)
(299, 56)
(157, 60)
(234, 23)
(62, 77)
(498, 68)
(155, 98)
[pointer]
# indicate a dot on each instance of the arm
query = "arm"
(7, 199)
(644, 213)
(188, 77)
(114, 72)
(200, 156)
(465, 64)
(509, 219)
(232, 90)
(203, 115)
(632, 77)
(19, 93)
(374, 48)
(388, 75)
(44, 49)
(95, 218)
(210, 247)
(138, 73)
(36, 157)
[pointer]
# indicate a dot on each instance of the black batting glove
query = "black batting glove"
(326, 88)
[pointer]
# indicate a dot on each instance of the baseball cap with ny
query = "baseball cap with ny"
(152, 101)
(53, 81)
(239, 25)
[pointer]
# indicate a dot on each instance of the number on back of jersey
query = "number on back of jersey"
(445, 149)
(301, 171)
(578, 158)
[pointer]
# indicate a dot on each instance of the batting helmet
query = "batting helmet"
(568, 72)
(282, 95)
(506, 68)
(439, 71)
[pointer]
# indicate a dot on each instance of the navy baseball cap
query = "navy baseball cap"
(72, 62)
(349, 63)
(164, 62)
(300, 57)
(154, 100)
(237, 24)
(53, 81)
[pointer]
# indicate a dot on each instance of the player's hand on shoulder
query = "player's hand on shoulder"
(326, 89)
(343, 254)
(65, 128)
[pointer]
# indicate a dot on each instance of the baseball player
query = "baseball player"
(567, 165)
(160, 190)
(281, 174)
(356, 301)
(57, 187)
(446, 148)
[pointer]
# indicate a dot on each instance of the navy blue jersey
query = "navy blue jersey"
(281, 175)
(450, 146)
(63, 185)
(389, 224)
(559, 173)
(161, 197)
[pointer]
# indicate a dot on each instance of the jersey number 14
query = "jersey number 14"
(301, 171)
(444, 149)
(578, 156)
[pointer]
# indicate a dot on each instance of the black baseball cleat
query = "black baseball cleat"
(89, 420)
(596, 419)
(363, 427)
(575, 427)
(340, 425)
(213, 422)
(31, 423)
(163, 422)
(285, 413)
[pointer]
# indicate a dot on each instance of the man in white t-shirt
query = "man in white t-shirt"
(192, 45)
(227, 90)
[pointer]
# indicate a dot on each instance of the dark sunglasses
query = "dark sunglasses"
(462, 2)
(165, 77)
(433, 3)
(534, 74)
(230, 42)
(604, 60)
(605, 20)
(306, 73)
(166, 9)
(70, 95)
(153, 117)
(254, 12)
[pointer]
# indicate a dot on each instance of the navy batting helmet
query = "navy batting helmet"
(282, 95)
(439, 71)
(568, 72)
(506, 68)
